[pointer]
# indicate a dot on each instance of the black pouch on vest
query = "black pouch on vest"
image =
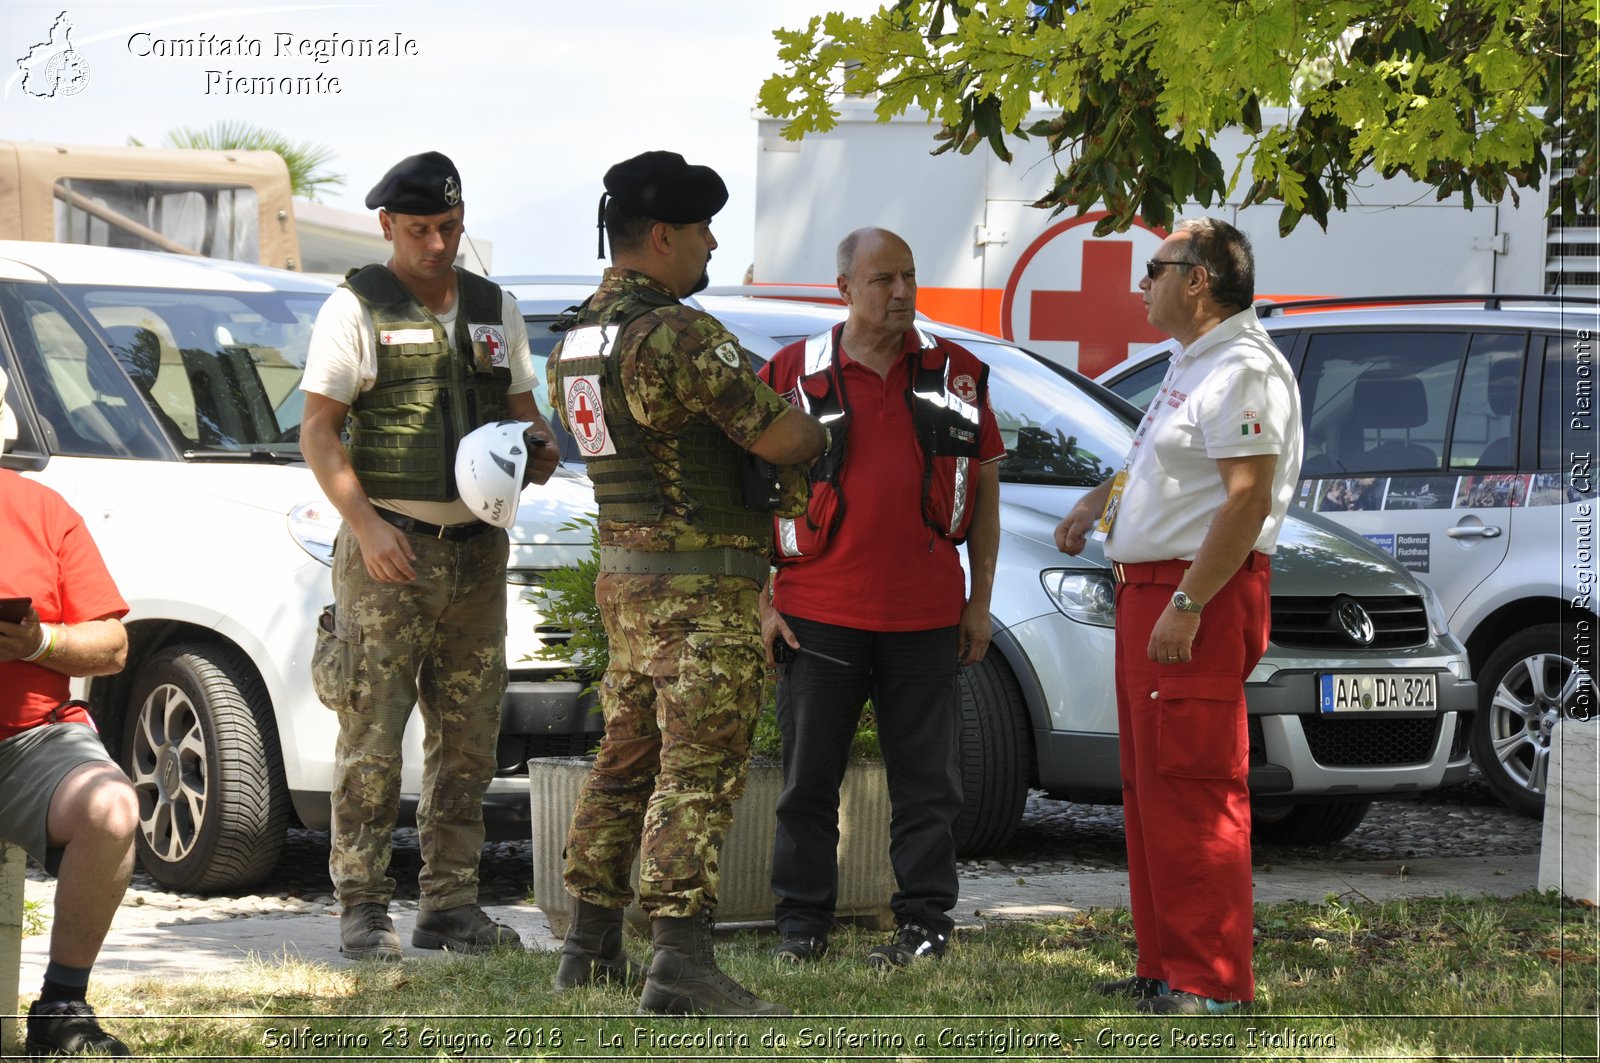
(759, 486)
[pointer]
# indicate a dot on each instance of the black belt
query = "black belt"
(725, 561)
(450, 533)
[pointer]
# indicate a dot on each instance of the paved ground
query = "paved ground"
(1065, 857)
(147, 942)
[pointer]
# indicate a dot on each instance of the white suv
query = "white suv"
(1458, 435)
(159, 394)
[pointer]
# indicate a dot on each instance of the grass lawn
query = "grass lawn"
(1448, 979)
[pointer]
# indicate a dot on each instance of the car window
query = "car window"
(1054, 431)
(1139, 386)
(541, 341)
(85, 406)
(1484, 433)
(221, 369)
(1566, 413)
(1378, 401)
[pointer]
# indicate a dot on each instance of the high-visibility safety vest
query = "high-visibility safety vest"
(428, 394)
(948, 390)
(626, 484)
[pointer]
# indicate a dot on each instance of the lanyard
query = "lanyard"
(1150, 413)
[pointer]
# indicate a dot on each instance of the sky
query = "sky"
(533, 100)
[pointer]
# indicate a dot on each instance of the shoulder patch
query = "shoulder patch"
(729, 353)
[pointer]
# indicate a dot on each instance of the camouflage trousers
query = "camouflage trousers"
(439, 643)
(680, 697)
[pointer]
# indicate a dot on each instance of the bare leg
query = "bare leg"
(93, 815)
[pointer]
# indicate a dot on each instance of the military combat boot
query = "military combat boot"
(593, 951)
(464, 928)
(367, 933)
(684, 977)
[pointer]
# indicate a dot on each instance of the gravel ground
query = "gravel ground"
(1463, 820)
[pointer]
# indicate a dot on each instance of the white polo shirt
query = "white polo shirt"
(1229, 394)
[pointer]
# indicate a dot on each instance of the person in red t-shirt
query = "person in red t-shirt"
(62, 799)
(871, 577)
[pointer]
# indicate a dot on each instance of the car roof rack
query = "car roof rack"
(1492, 301)
(808, 293)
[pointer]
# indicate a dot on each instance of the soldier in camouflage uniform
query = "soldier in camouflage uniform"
(412, 356)
(661, 399)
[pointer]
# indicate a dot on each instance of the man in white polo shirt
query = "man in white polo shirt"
(1189, 524)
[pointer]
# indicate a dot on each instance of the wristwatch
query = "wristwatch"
(1183, 602)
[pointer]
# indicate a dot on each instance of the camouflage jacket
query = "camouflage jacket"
(680, 368)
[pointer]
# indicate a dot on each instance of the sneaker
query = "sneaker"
(1138, 987)
(1182, 1002)
(367, 933)
(910, 943)
(464, 928)
(797, 948)
(68, 1028)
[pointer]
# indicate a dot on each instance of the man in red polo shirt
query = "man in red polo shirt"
(870, 576)
(62, 799)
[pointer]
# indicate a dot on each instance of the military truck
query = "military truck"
(234, 205)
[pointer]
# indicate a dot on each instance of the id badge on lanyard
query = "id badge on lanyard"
(1119, 483)
(1108, 516)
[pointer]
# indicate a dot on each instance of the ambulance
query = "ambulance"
(989, 260)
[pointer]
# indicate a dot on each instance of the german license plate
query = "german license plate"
(1380, 692)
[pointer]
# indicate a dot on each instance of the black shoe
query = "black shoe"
(464, 928)
(1138, 987)
(910, 943)
(367, 933)
(68, 1028)
(1182, 1002)
(797, 948)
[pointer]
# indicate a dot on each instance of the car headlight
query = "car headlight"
(1438, 623)
(1087, 597)
(313, 525)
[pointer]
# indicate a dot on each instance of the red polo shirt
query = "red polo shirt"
(885, 569)
(51, 558)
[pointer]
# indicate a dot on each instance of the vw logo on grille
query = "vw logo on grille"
(1354, 621)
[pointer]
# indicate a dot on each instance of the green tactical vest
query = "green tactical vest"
(625, 486)
(404, 430)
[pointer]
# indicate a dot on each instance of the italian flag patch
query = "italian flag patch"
(1250, 429)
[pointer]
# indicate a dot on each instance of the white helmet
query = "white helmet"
(489, 465)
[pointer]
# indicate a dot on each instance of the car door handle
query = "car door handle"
(1485, 531)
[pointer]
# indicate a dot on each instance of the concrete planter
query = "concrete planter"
(1569, 851)
(13, 862)
(866, 881)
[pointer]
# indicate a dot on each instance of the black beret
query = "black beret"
(418, 184)
(661, 185)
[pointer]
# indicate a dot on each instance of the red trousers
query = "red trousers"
(1185, 759)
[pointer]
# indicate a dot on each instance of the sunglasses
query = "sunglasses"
(1152, 268)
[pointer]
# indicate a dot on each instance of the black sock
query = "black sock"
(64, 983)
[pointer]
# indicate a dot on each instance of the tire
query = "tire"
(1312, 823)
(1527, 684)
(996, 756)
(201, 747)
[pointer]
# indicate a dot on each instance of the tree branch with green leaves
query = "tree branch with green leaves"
(1471, 98)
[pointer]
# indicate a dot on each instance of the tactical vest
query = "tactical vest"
(947, 395)
(405, 428)
(627, 486)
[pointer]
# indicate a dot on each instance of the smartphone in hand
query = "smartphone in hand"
(15, 610)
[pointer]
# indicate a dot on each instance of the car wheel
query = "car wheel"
(1312, 823)
(201, 747)
(1527, 685)
(996, 756)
